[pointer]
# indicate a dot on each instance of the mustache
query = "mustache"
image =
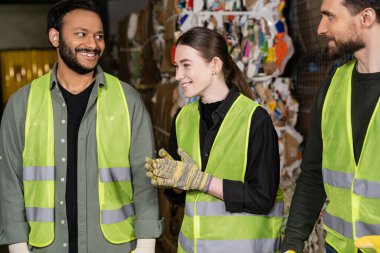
(329, 38)
(87, 50)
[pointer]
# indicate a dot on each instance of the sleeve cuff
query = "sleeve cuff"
(15, 233)
(233, 194)
(148, 228)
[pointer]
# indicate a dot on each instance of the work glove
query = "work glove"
(182, 174)
(21, 247)
(368, 242)
(145, 246)
(149, 161)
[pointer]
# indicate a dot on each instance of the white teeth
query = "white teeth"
(88, 54)
(185, 84)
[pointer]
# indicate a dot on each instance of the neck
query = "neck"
(72, 81)
(218, 91)
(369, 57)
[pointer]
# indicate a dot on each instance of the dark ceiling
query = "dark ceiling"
(36, 1)
(27, 1)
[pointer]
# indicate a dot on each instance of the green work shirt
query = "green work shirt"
(13, 225)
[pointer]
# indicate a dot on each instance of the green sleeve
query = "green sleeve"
(148, 224)
(13, 225)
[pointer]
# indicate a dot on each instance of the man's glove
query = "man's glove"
(18, 248)
(145, 246)
(182, 174)
(368, 242)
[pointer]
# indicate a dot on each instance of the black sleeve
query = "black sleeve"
(173, 144)
(309, 194)
(171, 195)
(258, 192)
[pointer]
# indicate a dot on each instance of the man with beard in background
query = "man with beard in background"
(72, 149)
(341, 159)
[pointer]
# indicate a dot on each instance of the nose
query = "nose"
(322, 28)
(91, 42)
(179, 74)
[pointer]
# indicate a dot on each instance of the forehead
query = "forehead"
(183, 52)
(333, 6)
(83, 19)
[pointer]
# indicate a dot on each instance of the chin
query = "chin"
(189, 94)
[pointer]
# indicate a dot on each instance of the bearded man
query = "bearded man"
(340, 160)
(72, 149)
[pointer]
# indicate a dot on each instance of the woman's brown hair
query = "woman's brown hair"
(211, 44)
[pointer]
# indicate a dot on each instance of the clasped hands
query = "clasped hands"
(184, 174)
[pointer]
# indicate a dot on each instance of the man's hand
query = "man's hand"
(145, 246)
(18, 248)
(182, 174)
(368, 242)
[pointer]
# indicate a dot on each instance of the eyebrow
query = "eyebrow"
(327, 13)
(183, 60)
(86, 30)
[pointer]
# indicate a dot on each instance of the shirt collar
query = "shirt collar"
(99, 77)
(226, 104)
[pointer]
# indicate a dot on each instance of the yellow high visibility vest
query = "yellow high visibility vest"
(207, 227)
(353, 189)
(113, 135)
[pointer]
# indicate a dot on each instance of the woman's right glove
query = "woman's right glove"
(182, 174)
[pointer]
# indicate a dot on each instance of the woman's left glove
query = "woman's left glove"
(182, 174)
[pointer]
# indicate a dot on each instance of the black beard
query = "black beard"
(69, 59)
(344, 48)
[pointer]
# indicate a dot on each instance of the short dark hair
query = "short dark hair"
(61, 8)
(356, 6)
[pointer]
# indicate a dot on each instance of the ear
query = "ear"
(54, 37)
(367, 17)
(216, 64)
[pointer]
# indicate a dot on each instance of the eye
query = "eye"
(81, 34)
(99, 37)
(186, 65)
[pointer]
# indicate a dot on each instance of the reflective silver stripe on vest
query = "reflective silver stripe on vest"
(115, 174)
(118, 215)
(364, 229)
(39, 214)
(337, 179)
(38, 173)
(339, 225)
(367, 188)
(186, 244)
(219, 209)
(220, 246)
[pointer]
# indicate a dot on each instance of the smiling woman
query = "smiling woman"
(228, 159)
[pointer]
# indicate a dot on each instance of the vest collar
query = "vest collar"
(99, 77)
